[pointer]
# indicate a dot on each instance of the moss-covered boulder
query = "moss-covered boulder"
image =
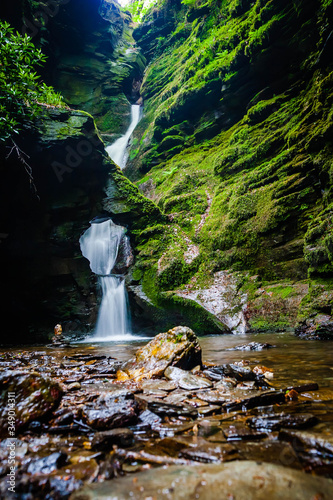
(178, 347)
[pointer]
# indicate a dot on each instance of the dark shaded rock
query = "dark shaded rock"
(47, 464)
(178, 347)
(65, 418)
(238, 372)
(105, 440)
(275, 422)
(26, 397)
(318, 328)
(264, 399)
(211, 453)
(239, 431)
(172, 410)
(252, 346)
(111, 411)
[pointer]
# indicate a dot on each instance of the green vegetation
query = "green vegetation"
(21, 93)
(235, 145)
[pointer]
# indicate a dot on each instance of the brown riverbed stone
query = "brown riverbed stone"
(240, 480)
(34, 398)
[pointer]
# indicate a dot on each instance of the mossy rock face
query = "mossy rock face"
(92, 58)
(318, 249)
(249, 183)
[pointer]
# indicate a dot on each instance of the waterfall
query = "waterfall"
(100, 245)
(117, 150)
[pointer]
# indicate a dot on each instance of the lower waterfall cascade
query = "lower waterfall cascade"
(100, 245)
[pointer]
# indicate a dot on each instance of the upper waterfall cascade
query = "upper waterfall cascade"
(117, 150)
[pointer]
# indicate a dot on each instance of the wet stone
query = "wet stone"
(213, 396)
(241, 480)
(158, 385)
(111, 411)
(149, 418)
(275, 422)
(172, 410)
(263, 399)
(65, 418)
(252, 346)
(234, 370)
(48, 464)
(277, 452)
(105, 440)
(209, 410)
(35, 397)
(191, 382)
(210, 453)
(240, 431)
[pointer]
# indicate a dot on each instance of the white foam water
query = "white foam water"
(117, 150)
(100, 245)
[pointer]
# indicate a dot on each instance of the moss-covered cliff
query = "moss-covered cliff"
(235, 147)
(92, 58)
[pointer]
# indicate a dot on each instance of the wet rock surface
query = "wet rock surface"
(240, 480)
(178, 347)
(211, 418)
(32, 396)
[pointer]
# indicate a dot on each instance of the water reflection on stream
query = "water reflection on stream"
(292, 359)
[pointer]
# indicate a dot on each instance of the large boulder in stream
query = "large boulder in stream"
(241, 480)
(178, 347)
(26, 397)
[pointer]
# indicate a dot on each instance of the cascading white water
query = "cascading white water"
(117, 150)
(100, 245)
(112, 317)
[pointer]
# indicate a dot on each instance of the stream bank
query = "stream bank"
(247, 404)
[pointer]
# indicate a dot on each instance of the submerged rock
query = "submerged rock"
(178, 347)
(252, 346)
(26, 396)
(241, 480)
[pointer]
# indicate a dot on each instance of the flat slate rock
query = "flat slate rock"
(241, 480)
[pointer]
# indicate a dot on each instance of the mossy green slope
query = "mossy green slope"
(236, 142)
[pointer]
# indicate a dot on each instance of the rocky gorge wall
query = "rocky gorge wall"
(232, 228)
(56, 177)
(235, 148)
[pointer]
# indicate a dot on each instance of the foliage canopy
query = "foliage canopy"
(21, 91)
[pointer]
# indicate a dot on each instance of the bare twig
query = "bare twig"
(22, 157)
